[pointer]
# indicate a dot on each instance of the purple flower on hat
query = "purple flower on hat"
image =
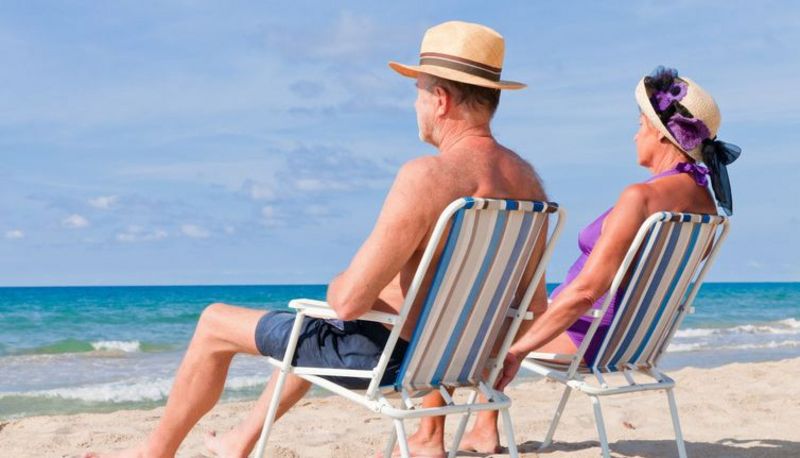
(689, 132)
(674, 93)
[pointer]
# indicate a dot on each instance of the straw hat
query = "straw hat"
(697, 101)
(463, 52)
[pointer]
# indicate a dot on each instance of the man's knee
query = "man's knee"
(210, 317)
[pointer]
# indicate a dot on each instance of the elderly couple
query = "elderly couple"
(458, 90)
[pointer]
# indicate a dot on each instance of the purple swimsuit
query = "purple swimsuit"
(587, 239)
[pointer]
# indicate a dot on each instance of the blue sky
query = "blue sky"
(249, 142)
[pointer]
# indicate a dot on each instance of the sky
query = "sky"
(251, 143)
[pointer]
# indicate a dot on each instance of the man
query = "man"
(458, 89)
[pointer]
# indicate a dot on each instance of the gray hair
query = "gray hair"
(480, 97)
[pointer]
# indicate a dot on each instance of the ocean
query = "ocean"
(99, 349)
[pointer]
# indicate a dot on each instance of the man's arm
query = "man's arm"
(402, 224)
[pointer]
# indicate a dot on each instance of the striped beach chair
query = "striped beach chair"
(466, 310)
(656, 286)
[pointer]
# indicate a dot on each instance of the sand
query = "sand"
(737, 410)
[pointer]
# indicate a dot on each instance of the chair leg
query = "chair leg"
(462, 426)
(676, 423)
(601, 426)
(387, 452)
(548, 439)
(270, 418)
(401, 438)
(509, 430)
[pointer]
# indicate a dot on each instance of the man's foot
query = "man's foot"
(481, 440)
(228, 445)
(420, 446)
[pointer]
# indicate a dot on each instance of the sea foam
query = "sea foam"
(786, 326)
(123, 346)
(128, 391)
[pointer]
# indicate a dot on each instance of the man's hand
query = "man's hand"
(511, 365)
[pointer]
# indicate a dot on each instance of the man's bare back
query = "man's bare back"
(472, 165)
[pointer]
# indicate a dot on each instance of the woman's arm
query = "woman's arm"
(591, 283)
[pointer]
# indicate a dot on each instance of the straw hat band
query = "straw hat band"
(460, 64)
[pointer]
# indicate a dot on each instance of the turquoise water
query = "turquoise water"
(77, 349)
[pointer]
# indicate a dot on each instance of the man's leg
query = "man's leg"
(484, 436)
(428, 440)
(221, 332)
(239, 441)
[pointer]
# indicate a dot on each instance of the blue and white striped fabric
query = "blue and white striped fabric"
(652, 301)
(485, 254)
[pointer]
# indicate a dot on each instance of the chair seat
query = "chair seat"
(560, 365)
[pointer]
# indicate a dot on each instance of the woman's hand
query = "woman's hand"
(511, 365)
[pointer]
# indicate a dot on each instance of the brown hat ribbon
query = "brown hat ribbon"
(460, 64)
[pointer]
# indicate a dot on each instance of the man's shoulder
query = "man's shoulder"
(421, 170)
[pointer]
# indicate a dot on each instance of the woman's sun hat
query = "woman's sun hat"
(680, 109)
(461, 51)
(689, 117)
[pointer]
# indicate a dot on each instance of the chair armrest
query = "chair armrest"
(592, 313)
(321, 309)
(550, 356)
(513, 313)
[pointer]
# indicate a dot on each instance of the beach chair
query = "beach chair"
(655, 286)
(465, 311)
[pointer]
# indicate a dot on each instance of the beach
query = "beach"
(91, 368)
(735, 410)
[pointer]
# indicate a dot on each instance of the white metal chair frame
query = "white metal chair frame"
(574, 376)
(375, 398)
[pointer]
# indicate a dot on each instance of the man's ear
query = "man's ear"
(443, 101)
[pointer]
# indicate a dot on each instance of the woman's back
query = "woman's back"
(682, 188)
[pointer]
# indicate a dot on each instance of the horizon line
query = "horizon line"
(190, 285)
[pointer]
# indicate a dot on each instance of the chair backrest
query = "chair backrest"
(475, 281)
(656, 284)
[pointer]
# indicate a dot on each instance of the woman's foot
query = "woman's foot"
(228, 445)
(481, 440)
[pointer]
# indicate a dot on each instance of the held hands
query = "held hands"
(511, 365)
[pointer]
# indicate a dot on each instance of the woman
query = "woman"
(678, 126)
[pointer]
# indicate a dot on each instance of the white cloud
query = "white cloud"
(315, 184)
(74, 221)
(139, 234)
(353, 35)
(271, 216)
(233, 175)
(194, 231)
(317, 210)
(103, 202)
(268, 211)
(259, 191)
(14, 234)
